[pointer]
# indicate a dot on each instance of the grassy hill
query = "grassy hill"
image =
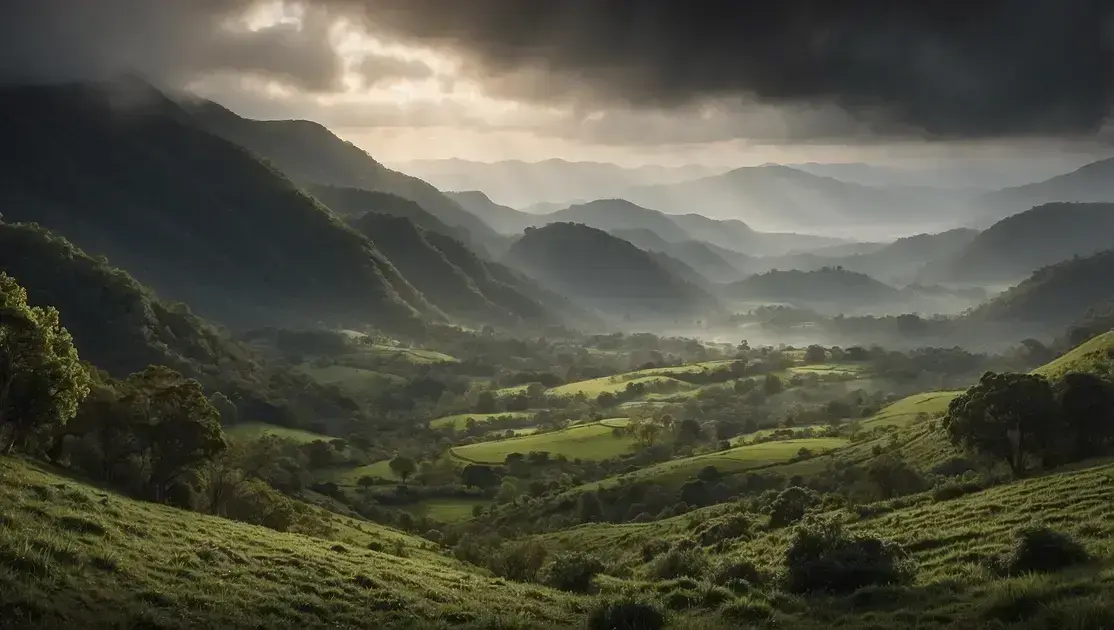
(1095, 356)
(828, 284)
(1055, 295)
(584, 441)
(73, 554)
(192, 215)
(605, 272)
(460, 421)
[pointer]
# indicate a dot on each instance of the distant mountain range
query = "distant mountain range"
(828, 284)
(516, 183)
(1056, 295)
(1093, 182)
(607, 273)
(699, 256)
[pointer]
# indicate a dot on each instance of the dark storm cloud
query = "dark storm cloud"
(964, 69)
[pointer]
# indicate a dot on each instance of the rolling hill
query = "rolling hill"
(1092, 182)
(605, 272)
(618, 214)
(502, 219)
(1055, 296)
(696, 255)
(1020, 244)
(780, 198)
(355, 202)
(309, 153)
(828, 284)
(188, 213)
(736, 236)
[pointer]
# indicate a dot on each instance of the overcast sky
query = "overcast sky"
(632, 81)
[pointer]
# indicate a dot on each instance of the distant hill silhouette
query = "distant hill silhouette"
(619, 214)
(1055, 295)
(695, 255)
(309, 153)
(1018, 245)
(502, 219)
(605, 272)
(1092, 182)
(355, 202)
(829, 284)
(196, 217)
(737, 236)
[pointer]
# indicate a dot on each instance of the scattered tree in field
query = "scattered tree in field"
(478, 476)
(403, 467)
(815, 354)
(365, 482)
(773, 385)
(486, 403)
(42, 382)
(1013, 417)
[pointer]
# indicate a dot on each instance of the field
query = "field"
(905, 411)
(72, 555)
(1096, 356)
(351, 379)
(256, 430)
(349, 476)
(459, 422)
(445, 510)
(730, 461)
(597, 386)
(828, 369)
(584, 441)
(413, 355)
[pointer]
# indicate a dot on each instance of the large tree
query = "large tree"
(1087, 403)
(402, 466)
(1013, 417)
(41, 379)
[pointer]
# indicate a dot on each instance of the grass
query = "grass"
(459, 422)
(730, 461)
(592, 441)
(826, 369)
(350, 379)
(72, 555)
(445, 510)
(1095, 356)
(903, 412)
(348, 477)
(256, 430)
(413, 355)
(597, 386)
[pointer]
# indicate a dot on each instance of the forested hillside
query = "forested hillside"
(1055, 295)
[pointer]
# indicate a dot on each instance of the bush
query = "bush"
(679, 562)
(791, 505)
(1043, 550)
(625, 614)
(572, 572)
(954, 489)
(729, 571)
(747, 610)
(723, 528)
(824, 558)
(519, 562)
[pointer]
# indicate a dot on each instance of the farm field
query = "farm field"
(823, 369)
(460, 421)
(349, 378)
(597, 386)
(445, 510)
(256, 430)
(583, 441)
(414, 355)
(905, 411)
(348, 477)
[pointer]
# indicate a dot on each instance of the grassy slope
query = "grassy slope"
(586, 441)
(256, 430)
(905, 411)
(459, 421)
(597, 386)
(73, 555)
(1095, 356)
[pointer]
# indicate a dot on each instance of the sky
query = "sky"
(634, 82)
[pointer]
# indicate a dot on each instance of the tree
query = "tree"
(815, 354)
(689, 430)
(365, 482)
(478, 476)
(772, 385)
(42, 382)
(1087, 404)
(588, 507)
(225, 407)
(403, 467)
(486, 403)
(1013, 417)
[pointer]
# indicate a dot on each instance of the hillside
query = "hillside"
(451, 276)
(121, 327)
(618, 214)
(311, 154)
(502, 219)
(780, 198)
(696, 255)
(608, 273)
(1092, 182)
(195, 217)
(736, 236)
(1096, 356)
(1018, 245)
(828, 284)
(355, 202)
(1055, 295)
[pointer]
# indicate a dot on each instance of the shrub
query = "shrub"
(572, 572)
(824, 558)
(723, 528)
(653, 548)
(625, 614)
(679, 562)
(955, 489)
(747, 610)
(519, 562)
(729, 571)
(1040, 549)
(790, 506)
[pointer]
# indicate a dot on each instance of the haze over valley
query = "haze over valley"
(586, 314)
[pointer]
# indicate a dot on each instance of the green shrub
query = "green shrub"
(519, 562)
(723, 528)
(824, 558)
(625, 614)
(791, 505)
(747, 610)
(736, 570)
(679, 562)
(1039, 549)
(572, 572)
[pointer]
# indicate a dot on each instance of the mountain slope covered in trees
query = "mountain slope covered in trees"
(355, 202)
(196, 217)
(608, 273)
(1055, 295)
(828, 284)
(502, 219)
(697, 255)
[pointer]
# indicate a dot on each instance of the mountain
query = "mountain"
(192, 215)
(355, 202)
(1018, 245)
(618, 214)
(450, 275)
(779, 198)
(681, 269)
(1092, 182)
(737, 236)
(696, 255)
(606, 273)
(517, 183)
(829, 284)
(1056, 295)
(121, 327)
(502, 219)
(308, 153)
